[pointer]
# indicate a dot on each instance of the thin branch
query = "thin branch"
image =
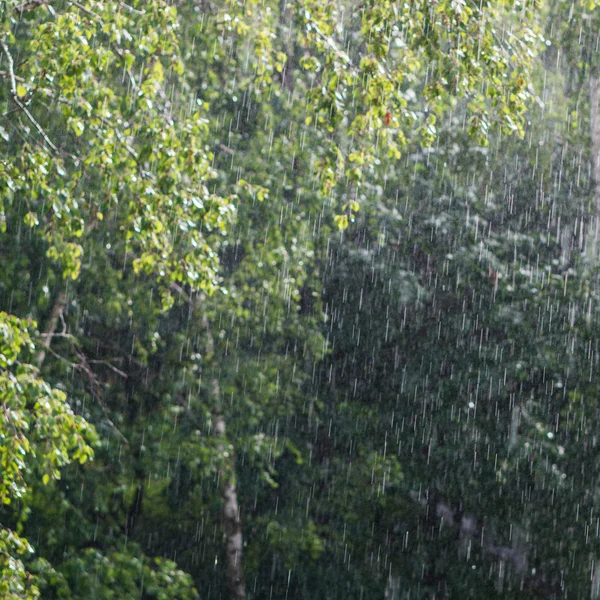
(96, 390)
(64, 325)
(17, 101)
(135, 11)
(57, 309)
(11, 68)
(87, 11)
(226, 149)
(110, 366)
(340, 53)
(30, 138)
(8, 112)
(54, 335)
(126, 354)
(50, 94)
(83, 365)
(63, 359)
(23, 8)
(6, 73)
(177, 288)
(104, 469)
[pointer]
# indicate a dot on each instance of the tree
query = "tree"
(131, 133)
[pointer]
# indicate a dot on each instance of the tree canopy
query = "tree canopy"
(299, 299)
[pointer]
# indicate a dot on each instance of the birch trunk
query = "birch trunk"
(231, 512)
(392, 587)
(592, 237)
(234, 541)
(595, 592)
(593, 244)
(515, 418)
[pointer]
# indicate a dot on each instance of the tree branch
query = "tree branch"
(17, 101)
(87, 11)
(83, 365)
(50, 330)
(110, 366)
(131, 9)
(23, 8)
(96, 390)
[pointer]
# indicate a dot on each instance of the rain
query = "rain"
(299, 300)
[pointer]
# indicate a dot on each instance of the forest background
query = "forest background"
(300, 299)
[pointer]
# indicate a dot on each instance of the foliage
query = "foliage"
(39, 435)
(94, 79)
(279, 247)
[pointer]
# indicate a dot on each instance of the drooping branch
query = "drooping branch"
(96, 389)
(17, 101)
(83, 364)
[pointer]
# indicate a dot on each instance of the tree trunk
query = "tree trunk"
(392, 587)
(592, 253)
(231, 512)
(592, 236)
(595, 592)
(234, 540)
(286, 23)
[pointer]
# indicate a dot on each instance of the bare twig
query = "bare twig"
(83, 365)
(64, 325)
(339, 53)
(54, 335)
(104, 469)
(30, 138)
(127, 355)
(110, 366)
(8, 112)
(62, 358)
(177, 288)
(226, 149)
(96, 390)
(135, 11)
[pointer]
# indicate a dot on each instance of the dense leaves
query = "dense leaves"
(39, 435)
(327, 328)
